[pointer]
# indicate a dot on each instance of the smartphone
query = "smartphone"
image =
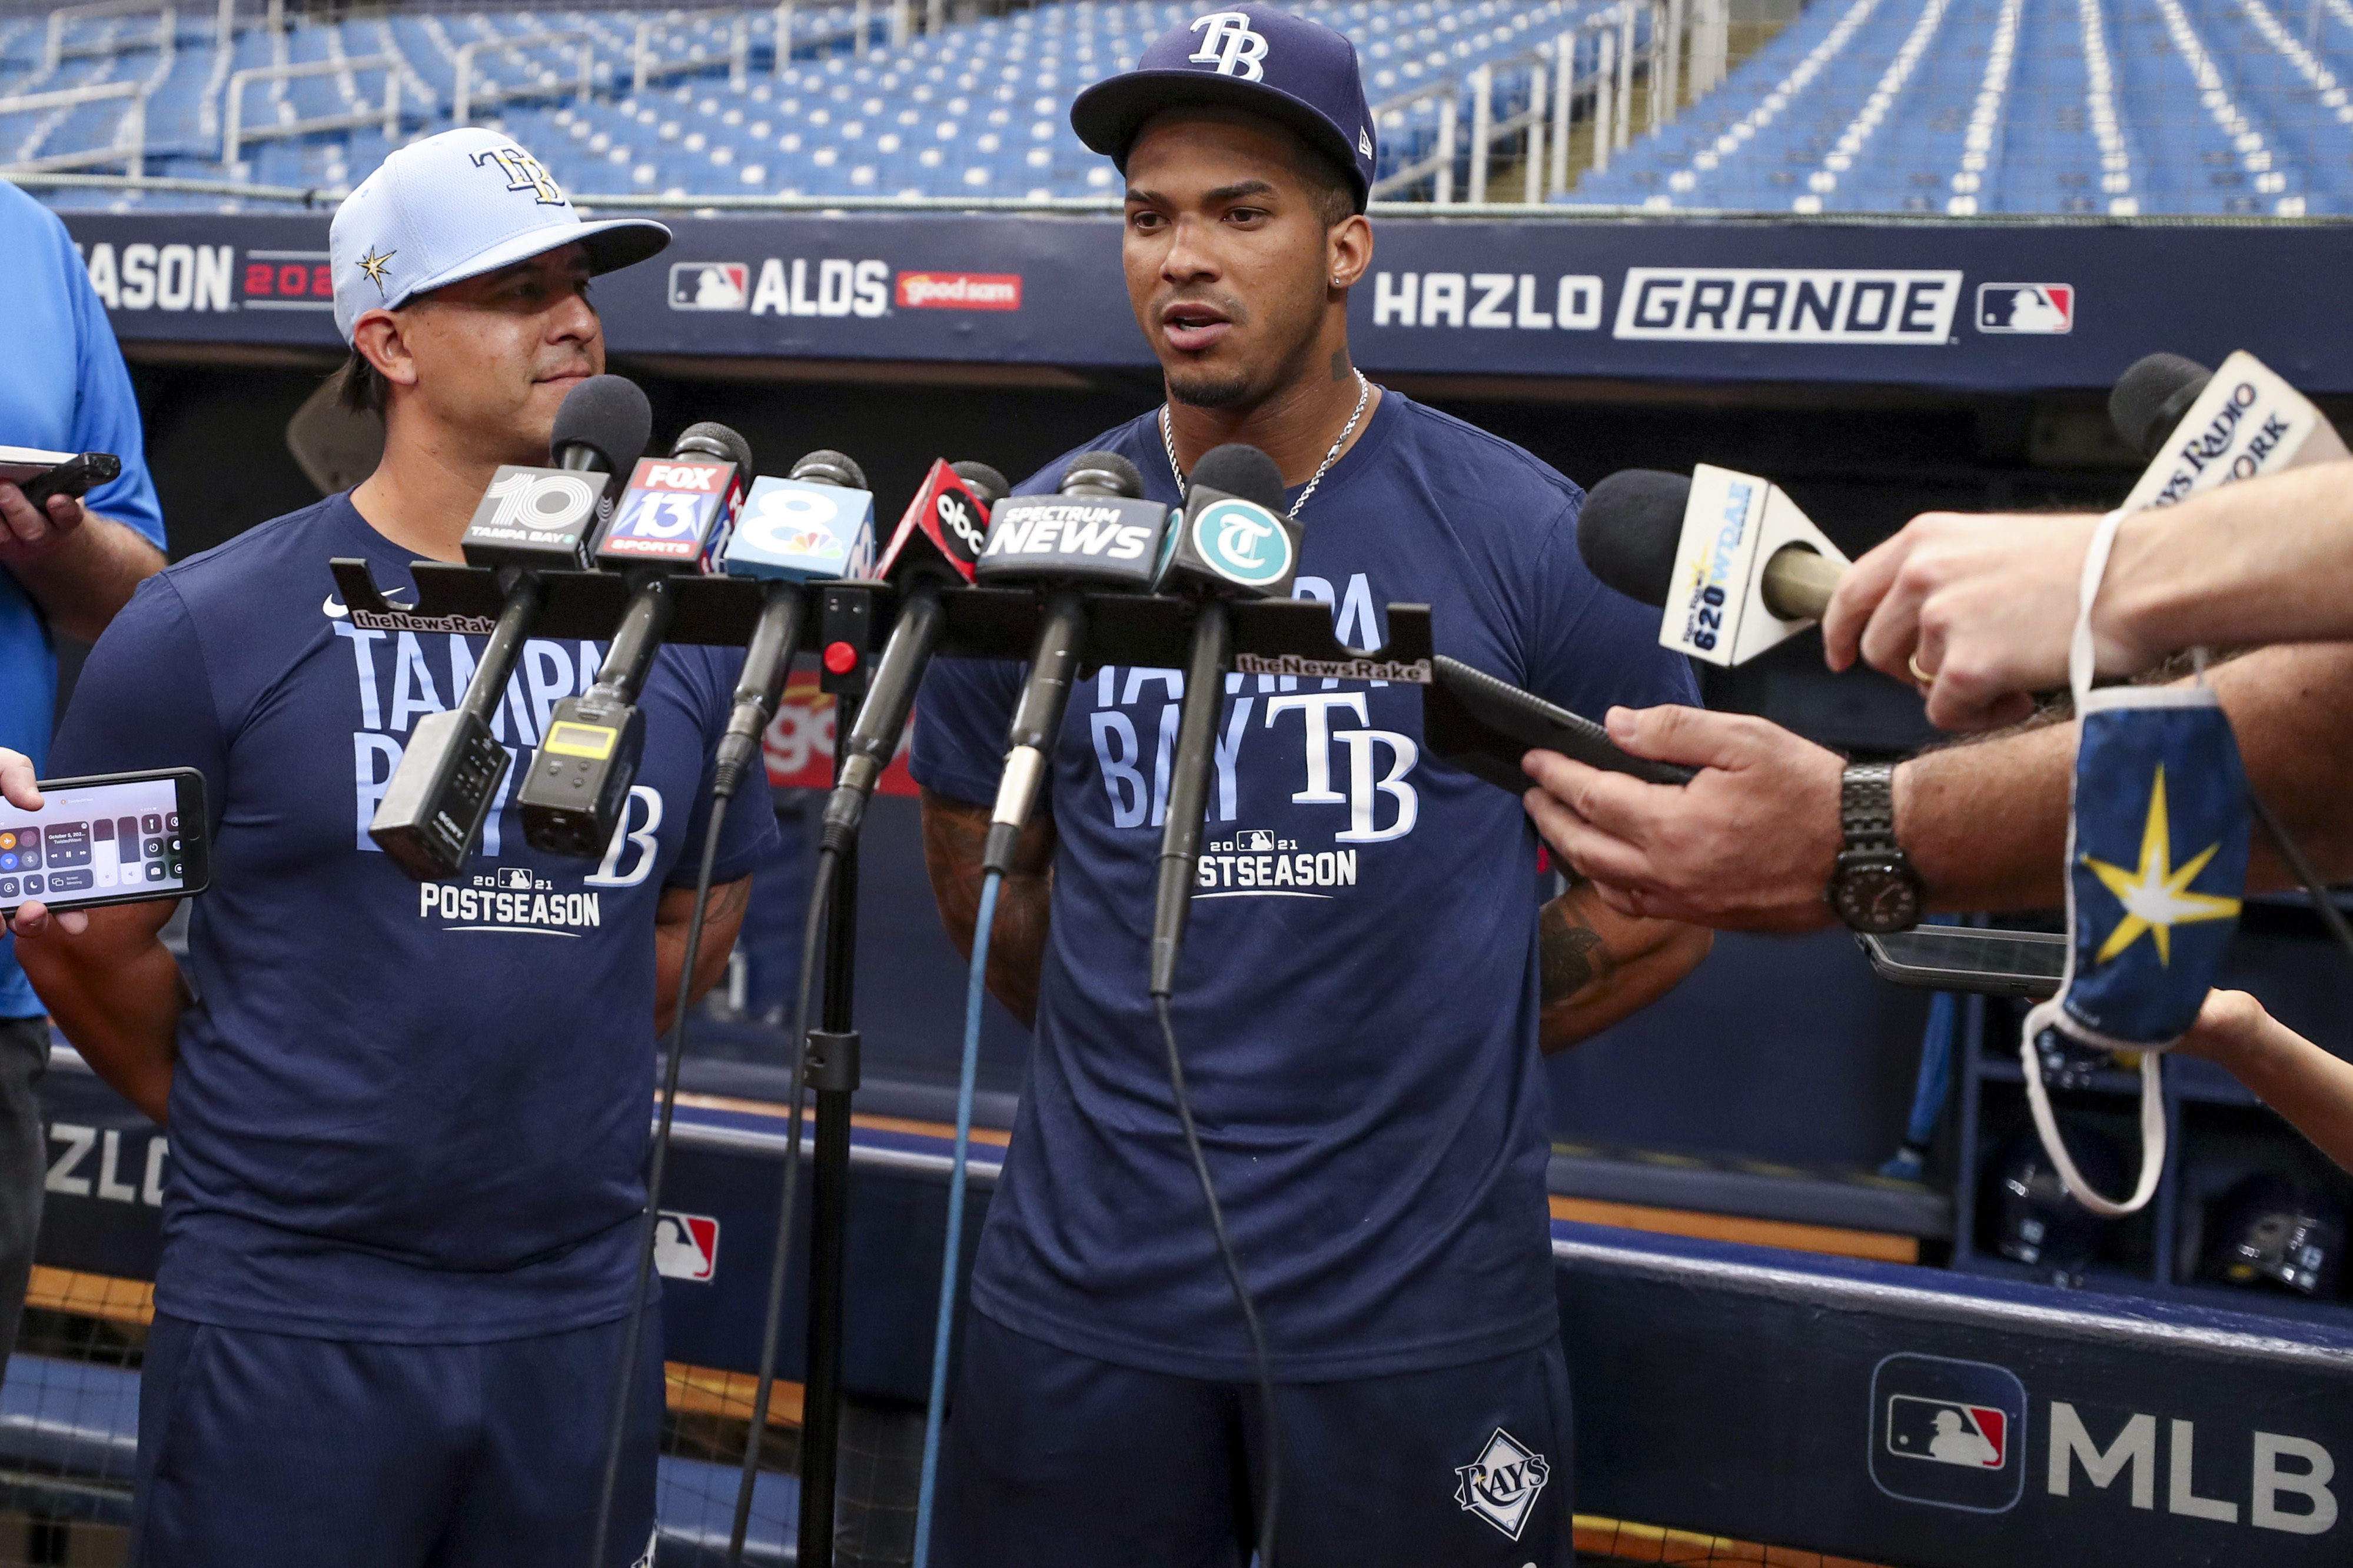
(1961, 958)
(41, 475)
(118, 838)
(1484, 725)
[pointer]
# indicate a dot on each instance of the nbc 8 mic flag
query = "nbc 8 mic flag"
(2158, 858)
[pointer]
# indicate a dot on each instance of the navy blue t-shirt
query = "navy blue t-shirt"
(402, 1111)
(1359, 996)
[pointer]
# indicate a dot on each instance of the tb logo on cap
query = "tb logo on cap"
(1230, 44)
(524, 173)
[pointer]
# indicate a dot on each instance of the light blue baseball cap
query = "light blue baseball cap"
(455, 206)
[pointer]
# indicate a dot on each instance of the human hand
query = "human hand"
(16, 789)
(1748, 844)
(17, 786)
(2230, 1027)
(28, 532)
(1985, 605)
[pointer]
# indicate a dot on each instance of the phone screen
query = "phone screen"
(92, 841)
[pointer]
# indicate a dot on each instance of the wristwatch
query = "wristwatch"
(1873, 887)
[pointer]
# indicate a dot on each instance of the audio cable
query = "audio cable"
(615, 1435)
(1259, 1370)
(828, 862)
(976, 994)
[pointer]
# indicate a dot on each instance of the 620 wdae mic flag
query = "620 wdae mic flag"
(2156, 852)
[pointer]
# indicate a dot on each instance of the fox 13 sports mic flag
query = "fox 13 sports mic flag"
(2157, 853)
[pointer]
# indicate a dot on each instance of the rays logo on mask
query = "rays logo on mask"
(2156, 852)
(1230, 44)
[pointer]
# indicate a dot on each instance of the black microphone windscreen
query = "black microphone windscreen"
(2152, 395)
(608, 413)
(824, 467)
(984, 481)
(1104, 471)
(711, 439)
(1630, 530)
(1241, 469)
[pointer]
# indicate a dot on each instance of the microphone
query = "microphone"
(1097, 532)
(2201, 428)
(1233, 541)
(530, 520)
(1706, 549)
(675, 511)
(937, 543)
(817, 525)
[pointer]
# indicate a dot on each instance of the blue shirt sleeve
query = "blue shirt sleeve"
(751, 827)
(106, 412)
(145, 700)
(1591, 648)
(962, 712)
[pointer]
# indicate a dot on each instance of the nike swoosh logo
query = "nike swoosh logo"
(335, 610)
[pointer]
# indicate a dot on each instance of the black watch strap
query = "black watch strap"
(1867, 807)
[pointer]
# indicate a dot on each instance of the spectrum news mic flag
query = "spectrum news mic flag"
(939, 538)
(529, 520)
(813, 527)
(2156, 852)
(672, 516)
(1098, 532)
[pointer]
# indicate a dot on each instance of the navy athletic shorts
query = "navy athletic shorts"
(1057, 1460)
(263, 1450)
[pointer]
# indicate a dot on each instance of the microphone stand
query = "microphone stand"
(833, 1073)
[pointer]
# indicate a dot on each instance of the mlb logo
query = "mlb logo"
(1951, 1433)
(1255, 839)
(709, 286)
(2043, 310)
(686, 1245)
(515, 877)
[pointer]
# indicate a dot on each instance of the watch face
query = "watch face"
(1878, 899)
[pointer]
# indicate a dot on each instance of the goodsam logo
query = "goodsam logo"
(1787, 305)
(1949, 1432)
(1242, 542)
(960, 290)
(709, 286)
(2044, 310)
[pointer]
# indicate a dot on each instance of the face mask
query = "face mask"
(2157, 853)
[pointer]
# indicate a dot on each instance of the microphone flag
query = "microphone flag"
(2157, 855)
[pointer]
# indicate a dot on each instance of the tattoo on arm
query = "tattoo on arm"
(1573, 956)
(955, 835)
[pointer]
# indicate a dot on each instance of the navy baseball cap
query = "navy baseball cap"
(1255, 57)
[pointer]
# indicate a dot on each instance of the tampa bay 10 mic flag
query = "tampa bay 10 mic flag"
(2156, 854)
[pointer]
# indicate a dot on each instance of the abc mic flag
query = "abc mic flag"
(2157, 853)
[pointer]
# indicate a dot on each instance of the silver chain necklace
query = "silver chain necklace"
(1363, 394)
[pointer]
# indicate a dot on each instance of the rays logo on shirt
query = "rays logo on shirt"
(1354, 779)
(401, 675)
(2161, 853)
